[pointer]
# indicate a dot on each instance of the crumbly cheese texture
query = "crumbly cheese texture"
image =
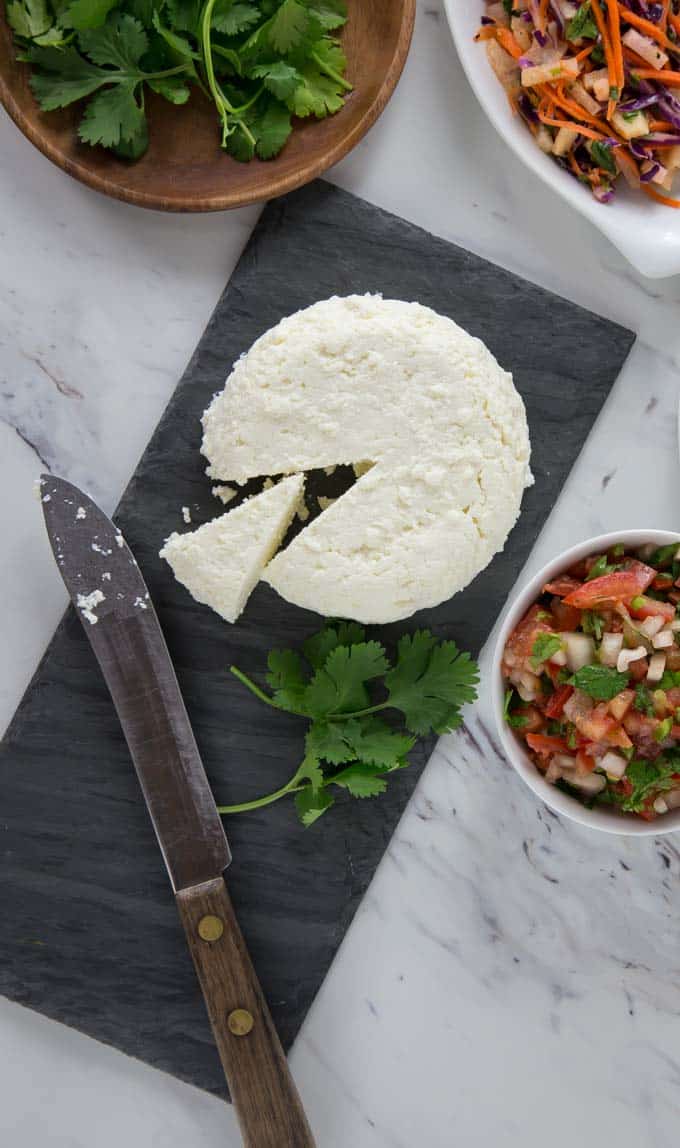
(398, 388)
(221, 562)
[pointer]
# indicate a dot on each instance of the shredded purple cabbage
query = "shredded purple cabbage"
(603, 194)
(527, 109)
(647, 175)
(639, 104)
(540, 37)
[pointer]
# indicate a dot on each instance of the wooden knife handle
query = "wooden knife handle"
(267, 1103)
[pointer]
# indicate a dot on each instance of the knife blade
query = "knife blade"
(110, 595)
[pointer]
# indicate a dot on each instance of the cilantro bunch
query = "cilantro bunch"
(260, 63)
(340, 684)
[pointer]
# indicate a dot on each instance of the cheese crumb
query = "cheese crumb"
(87, 604)
(81, 512)
(225, 493)
(324, 502)
(186, 514)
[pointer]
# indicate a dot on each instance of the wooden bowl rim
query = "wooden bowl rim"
(270, 187)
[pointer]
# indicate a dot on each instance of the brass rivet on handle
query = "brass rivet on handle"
(210, 928)
(240, 1022)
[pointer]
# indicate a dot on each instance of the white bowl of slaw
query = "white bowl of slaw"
(605, 819)
(647, 233)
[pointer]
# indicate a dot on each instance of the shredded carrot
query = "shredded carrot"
(486, 32)
(665, 5)
(577, 111)
(654, 194)
(617, 48)
(646, 26)
(584, 53)
(674, 20)
(554, 123)
(665, 76)
(607, 47)
(543, 15)
(507, 40)
(661, 126)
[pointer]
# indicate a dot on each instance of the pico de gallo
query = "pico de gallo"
(592, 676)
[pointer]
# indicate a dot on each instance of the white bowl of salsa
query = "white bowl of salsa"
(585, 673)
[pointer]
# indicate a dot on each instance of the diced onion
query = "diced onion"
(657, 665)
(663, 640)
(580, 650)
(587, 782)
(614, 765)
(610, 648)
(660, 805)
(651, 626)
(559, 659)
(627, 656)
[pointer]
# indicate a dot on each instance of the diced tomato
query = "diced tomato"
(584, 762)
(556, 703)
(619, 706)
(620, 586)
(650, 608)
(566, 617)
(545, 745)
(578, 571)
(617, 736)
(673, 658)
(638, 669)
(675, 732)
(561, 586)
(662, 582)
(673, 697)
(552, 671)
(521, 641)
(647, 814)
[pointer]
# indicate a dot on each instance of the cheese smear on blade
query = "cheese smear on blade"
(221, 562)
(363, 380)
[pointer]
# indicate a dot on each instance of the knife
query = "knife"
(111, 598)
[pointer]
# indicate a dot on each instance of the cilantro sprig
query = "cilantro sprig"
(260, 63)
(340, 683)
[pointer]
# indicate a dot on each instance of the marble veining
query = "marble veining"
(522, 971)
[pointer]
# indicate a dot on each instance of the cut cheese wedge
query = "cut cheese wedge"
(221, 562)
(363, 380)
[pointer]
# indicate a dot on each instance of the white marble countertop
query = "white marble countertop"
(509, 978)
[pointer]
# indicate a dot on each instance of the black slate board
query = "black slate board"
(89, 932)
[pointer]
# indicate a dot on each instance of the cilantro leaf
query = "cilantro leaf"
(600, 682)
(184, 15)
(66, 77)
(329, 13)
(647, 779)
(643, 700)
(341, 683)
(29, 18)
(280, 78)
(582, 25)
(543, 648)
(112, 116)
(430, 682)
(288, 26)
(592, 623)
(121, 42)
(333, 742)
(286, 678)
(272, 129)
(602, 154)
(172, 88)
(84, 14)
(230, 18)
(310, 805)
(316, 95)
(361, 780)
(317, 648)
(599, 567)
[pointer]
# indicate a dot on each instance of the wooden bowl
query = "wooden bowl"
(185, 169)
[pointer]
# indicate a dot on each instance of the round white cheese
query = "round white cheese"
(363, 380)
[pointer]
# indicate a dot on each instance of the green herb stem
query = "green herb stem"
(331, 72)
(291, 786)
(254, 689)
